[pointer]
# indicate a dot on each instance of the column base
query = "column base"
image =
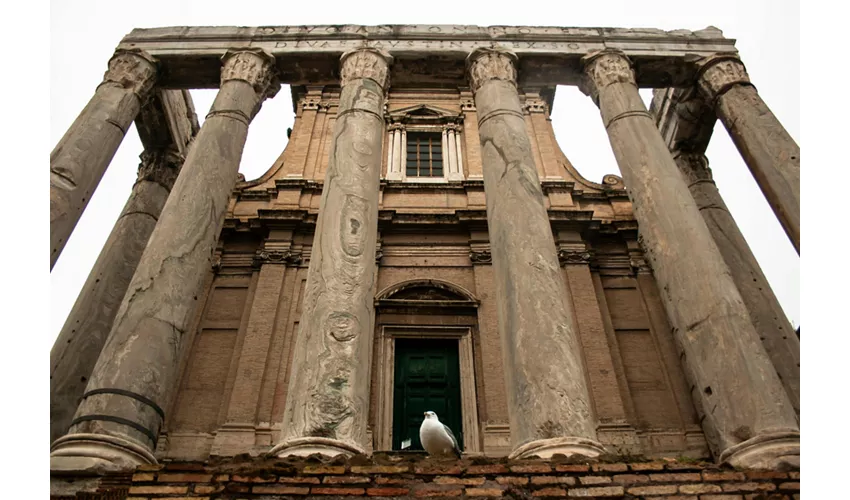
(569, 446)
(773, 450)
(302, 447)
(96, 454)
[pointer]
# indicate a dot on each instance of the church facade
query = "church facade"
(423, 243)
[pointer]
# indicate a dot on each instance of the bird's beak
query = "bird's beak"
(425, 414)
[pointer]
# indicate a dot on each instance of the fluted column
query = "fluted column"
(327, 403)
(78, 345)
(747, 418)
(117, 423)
(548, 400)
(776, 333)
(78, 161)
(769, 151)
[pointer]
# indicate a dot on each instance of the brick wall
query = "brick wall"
(398, 477)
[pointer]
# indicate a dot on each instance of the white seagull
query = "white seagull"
(436, 437)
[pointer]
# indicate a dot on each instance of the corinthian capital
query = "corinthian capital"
(694, 166)
(485, 64)
(160, 166)
(604, 68)
(254, 66)
(134, 70)
(718, 73)
(368, 63)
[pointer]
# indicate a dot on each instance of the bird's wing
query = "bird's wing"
(455, 447)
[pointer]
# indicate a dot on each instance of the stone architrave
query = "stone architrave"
(327, 403)
(118, 421)
(548, 398)
(81, 157)
(84, 333)
(766, 313)
(748, 419)
(769, 151)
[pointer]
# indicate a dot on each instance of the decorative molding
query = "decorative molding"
(693, 166)
(612, 181)
(134, 70)
(368, 63)
(604, 68)
(485, 64)
(480, 257)
(253, 66)
(574, 257)
(467, 105)
(719, 73)
(535, 105)
(285, 257)
(160, 166)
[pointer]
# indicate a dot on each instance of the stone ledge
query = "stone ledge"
(413, 475)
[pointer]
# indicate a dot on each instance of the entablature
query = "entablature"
(548, 56)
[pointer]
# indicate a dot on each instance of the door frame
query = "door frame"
(386, 380)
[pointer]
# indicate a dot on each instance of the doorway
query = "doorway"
(427, 378)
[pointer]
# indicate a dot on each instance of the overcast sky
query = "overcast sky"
(84, 34)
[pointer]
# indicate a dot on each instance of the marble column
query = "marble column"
(118, 421)
(327, 404)
(81, 157)
(746, 415)
(78, 345)
(548, 400)
(769, 151)
(766, 313)
(395, 169)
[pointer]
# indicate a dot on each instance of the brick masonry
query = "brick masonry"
(393, 476)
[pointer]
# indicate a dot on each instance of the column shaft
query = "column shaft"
(747, 417)
(769, 151)
(78, 345)
(78, 161)
(548, 398)
(118, 421)
(766, 313)
(452, 172)
(327, 403)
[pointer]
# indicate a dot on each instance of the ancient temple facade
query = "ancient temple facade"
(423, 243)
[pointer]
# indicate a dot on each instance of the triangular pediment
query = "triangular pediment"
(422, 111)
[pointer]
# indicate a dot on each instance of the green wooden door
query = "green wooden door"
(427, 378)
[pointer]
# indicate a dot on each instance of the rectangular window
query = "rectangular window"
(424, 154)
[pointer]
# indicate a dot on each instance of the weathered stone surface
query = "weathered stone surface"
(538, 341)
(769, 151)
(747, 417)
(84, 333)
(548, 55)
(327, 403)
(686, 123)
(79, 160)
(140, 356)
